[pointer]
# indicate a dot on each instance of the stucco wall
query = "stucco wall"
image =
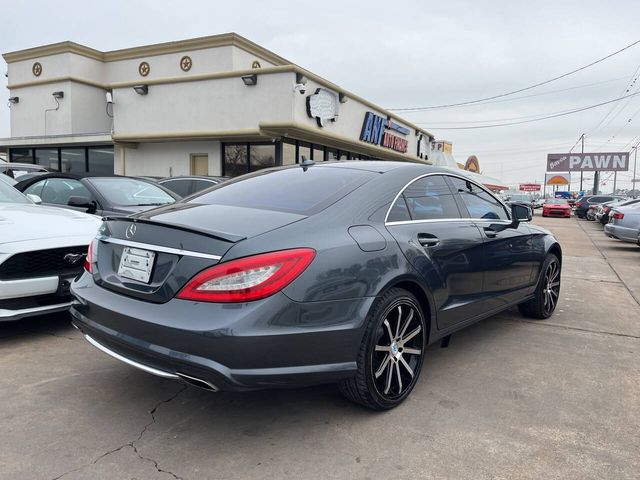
(28, 116)
(167, 159)
(208, 105)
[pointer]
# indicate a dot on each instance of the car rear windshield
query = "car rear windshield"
(557, 201)
(295, 190)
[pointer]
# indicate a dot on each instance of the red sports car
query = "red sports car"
(556, 207)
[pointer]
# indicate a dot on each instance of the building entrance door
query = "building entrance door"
(200, 164)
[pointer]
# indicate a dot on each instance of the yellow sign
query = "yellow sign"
(472, 165)
(558, 179)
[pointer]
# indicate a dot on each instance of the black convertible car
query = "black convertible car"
(335, 272)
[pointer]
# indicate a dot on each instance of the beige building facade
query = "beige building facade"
(219, 105)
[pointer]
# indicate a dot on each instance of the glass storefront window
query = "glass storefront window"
(73, 160)
(21, 155)
(332, 154)
(288, 153)
(318, 153)
(47, 157)
(304, 150)
(101, 160)
(261, 156)
(236, 158)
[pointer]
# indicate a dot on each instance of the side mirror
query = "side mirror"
(82, 202)
(34, 198)
(521, 213)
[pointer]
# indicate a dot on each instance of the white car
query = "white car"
(34, 241)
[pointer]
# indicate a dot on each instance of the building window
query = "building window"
(288, 153)
(332, 154)
(73, 160)
(261, 156)
(236, 159)
(100, 160)
(21, 155)
(241, 158)
(304, 151)
(47, 157)
(317, 154)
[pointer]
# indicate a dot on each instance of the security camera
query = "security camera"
(109, 97)
(300, 87)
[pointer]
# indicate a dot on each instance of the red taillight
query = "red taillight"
(88, 260)
(618, 215)
(248, 278)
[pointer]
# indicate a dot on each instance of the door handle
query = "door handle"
(490, 232)
(428, 240)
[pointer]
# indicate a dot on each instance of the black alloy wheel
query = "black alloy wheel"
(547, 292)
(392, 352)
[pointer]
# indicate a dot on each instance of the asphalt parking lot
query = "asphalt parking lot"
(508, 399)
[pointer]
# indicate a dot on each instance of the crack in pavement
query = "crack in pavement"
(132, 444)
(585, 330)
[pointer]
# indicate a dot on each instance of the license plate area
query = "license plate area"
(136, 264)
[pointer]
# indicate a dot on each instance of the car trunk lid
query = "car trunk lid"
(152, 255)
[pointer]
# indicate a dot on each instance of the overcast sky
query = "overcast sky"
(407, 54)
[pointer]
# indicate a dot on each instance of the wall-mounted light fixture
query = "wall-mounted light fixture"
(250, 80)
(141, 89)
(58, 94)
(14, 100)
(343, 97)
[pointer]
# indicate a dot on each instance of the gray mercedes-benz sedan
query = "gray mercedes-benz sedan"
(334, 272)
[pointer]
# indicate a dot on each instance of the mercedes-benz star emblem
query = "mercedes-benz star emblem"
(131, 230)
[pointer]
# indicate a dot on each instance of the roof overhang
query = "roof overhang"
(191, 44)
(57, 140)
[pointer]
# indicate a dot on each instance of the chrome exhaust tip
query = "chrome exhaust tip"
(197, 382)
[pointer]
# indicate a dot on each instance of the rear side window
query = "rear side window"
(59, 190)
(293, 190)
(430, 198)
(479, 203)
(181, 186)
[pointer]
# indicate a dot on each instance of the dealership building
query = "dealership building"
(218, 105)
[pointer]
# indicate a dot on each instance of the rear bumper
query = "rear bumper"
(621, 233)
(273, 342)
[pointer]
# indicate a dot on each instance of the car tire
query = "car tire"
(391, 354)
(547, 293)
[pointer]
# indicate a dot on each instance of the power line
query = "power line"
(630, 84)
(548, 92)
(539, 84)
(570, 112)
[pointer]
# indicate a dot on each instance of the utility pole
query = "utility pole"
(615, 179)
(581, 173)
(635, 167)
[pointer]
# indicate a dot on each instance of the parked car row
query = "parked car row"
(42, 248)
(619, 216)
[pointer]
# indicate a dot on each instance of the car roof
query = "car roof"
(70, 176)
(195, 177)
(22, 165)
